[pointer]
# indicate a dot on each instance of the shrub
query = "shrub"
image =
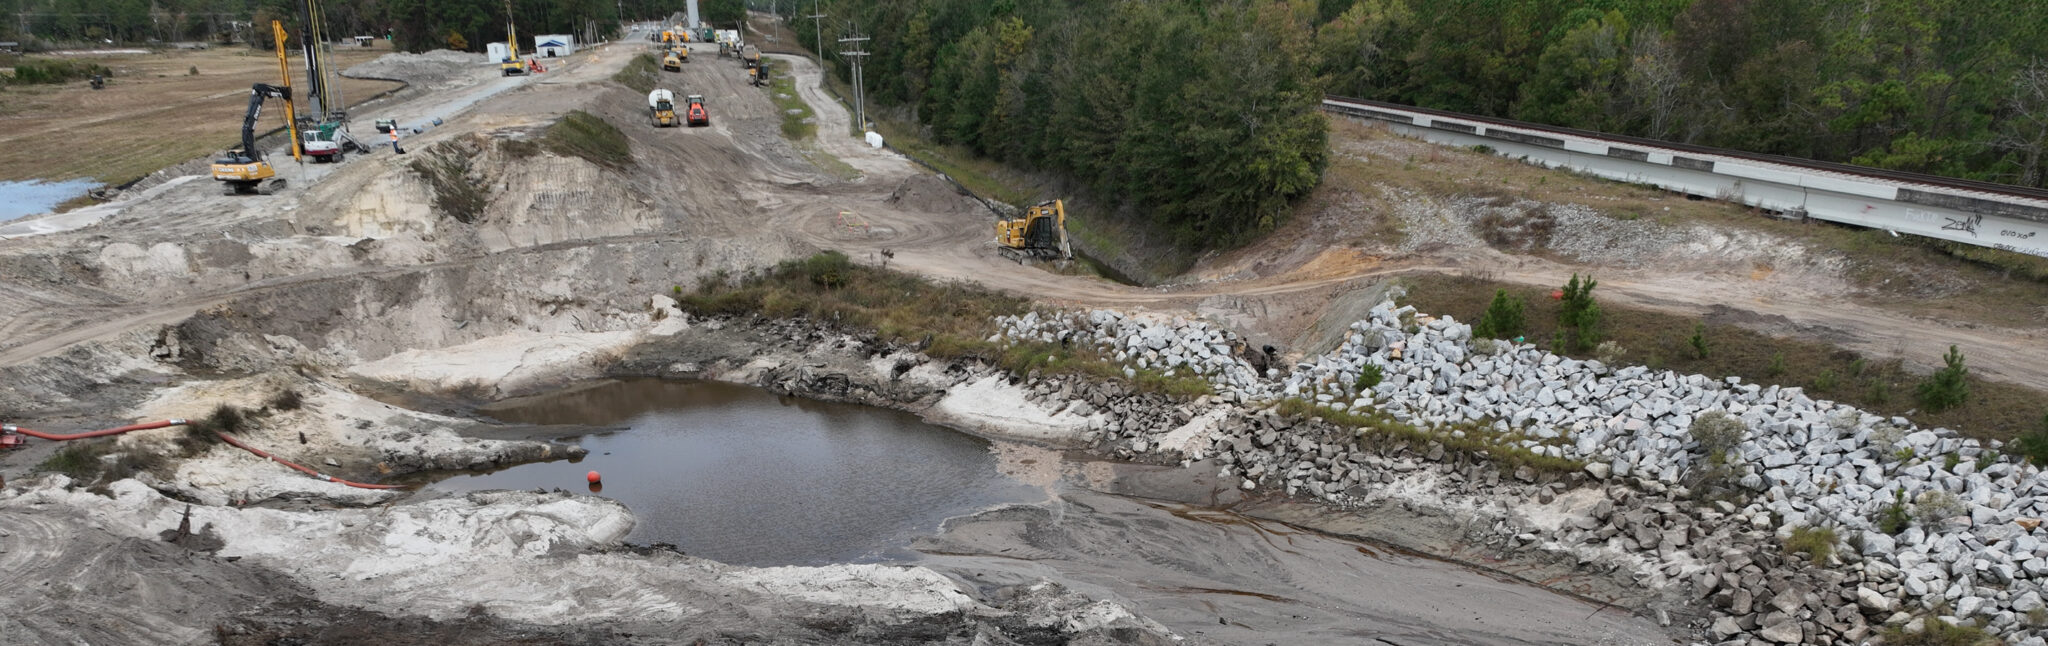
(1610, 352)
(1894, 517)
(1817, 542)
(1717, 434)
(827, 269)
(1578, 319)
(46, 72)
(1701, 347)
(1503, 319)
(1825, 381)
(1880, 392)
(1368, 377)
(287, 399)
(2033, 445)
(1933, 506)
(1777, 365)
(1947, 388)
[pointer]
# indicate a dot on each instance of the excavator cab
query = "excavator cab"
(244, 170)
(1041, 233)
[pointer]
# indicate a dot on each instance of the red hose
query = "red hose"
(259, 453)
(10, 428)
(61, 437)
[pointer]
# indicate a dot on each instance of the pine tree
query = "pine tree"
(1503, 319)
(1947, 387)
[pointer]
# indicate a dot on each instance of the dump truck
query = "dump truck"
(696, 115)
(662, 103)
(671, 62)
(751, 55)
(1041, 233)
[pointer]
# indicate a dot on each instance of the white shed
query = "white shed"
(553, 45)
(496, 53)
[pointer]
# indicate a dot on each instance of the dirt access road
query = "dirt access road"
(961, 249)
(736, 179)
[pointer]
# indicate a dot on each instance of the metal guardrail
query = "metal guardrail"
(2014, 218)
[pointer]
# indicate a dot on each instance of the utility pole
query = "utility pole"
(815, 16)
(860, 102)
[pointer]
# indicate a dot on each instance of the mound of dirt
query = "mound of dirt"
(930, 194)
(435, 69)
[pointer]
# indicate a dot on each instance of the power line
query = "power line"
(818, 27)
(860, 103)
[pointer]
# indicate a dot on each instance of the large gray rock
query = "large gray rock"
(1873, 601)
(1785, 631)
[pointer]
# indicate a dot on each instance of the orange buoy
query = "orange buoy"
(593, 477)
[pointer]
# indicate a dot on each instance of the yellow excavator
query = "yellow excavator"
(245, 171)
(1041, 233)
(511, 66)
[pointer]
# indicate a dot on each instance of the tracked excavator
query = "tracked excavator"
(1040, 234)
(245, 171)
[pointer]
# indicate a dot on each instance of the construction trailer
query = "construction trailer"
(554, 45)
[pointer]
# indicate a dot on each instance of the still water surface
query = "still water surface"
(741, 475)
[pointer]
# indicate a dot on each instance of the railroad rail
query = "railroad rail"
(2013, 218)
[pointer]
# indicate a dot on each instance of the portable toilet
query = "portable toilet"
(495, 53)
(554, 45)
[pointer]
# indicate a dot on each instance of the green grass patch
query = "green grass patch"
(50, 71)
(1478, 440)
(93, 463)
(457, 192)
(1939, 633)
(643, 74)
(798, 121)
(947, 320)
(1995, 410)
(1817, 542)
(585, 135)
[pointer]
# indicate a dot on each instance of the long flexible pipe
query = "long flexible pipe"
(259, 453)
(61, 437)
(65, 437)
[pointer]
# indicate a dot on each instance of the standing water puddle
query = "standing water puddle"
(31, 197)
(740, 475)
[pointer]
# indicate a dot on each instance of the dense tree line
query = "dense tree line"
(415, 25)
(1197, 112)
(1949, 87)
(1201, 115)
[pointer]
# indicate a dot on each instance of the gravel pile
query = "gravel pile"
(1974, 551)
(436, 69)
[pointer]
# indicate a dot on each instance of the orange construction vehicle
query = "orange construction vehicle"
(695, 115)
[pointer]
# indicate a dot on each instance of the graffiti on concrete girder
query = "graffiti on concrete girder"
(2009, 233)
(1964, 224)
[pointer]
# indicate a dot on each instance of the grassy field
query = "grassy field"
(1663, 341)
(159, 109)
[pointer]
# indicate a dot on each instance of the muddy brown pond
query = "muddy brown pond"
(741, 475)
(738, 474)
